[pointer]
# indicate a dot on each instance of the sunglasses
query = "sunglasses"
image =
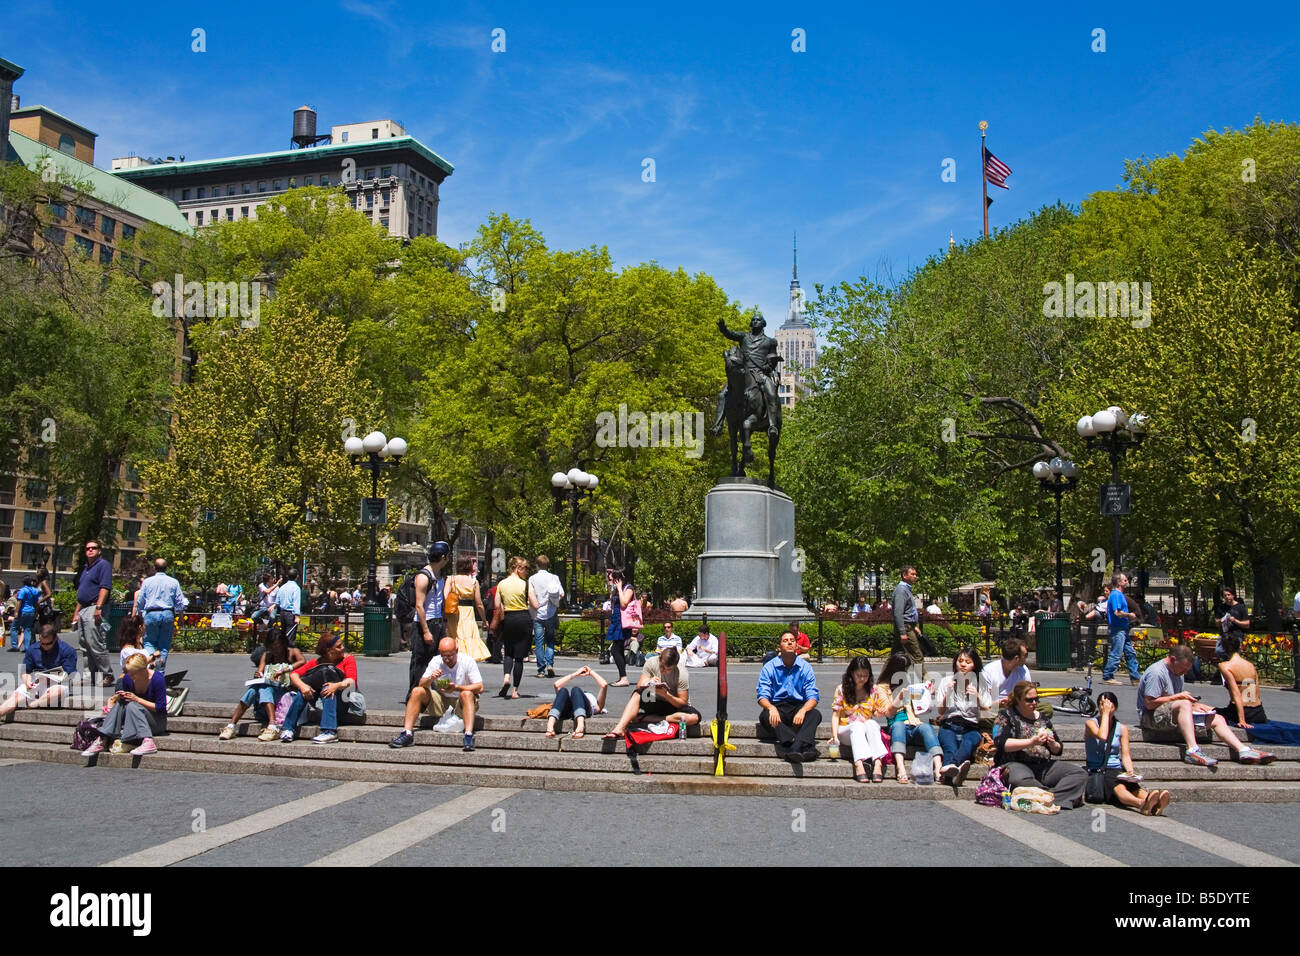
(1031, 700)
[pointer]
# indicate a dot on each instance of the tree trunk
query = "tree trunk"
(1225, 565)
(1268, 589)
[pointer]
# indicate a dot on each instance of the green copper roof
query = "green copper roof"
(38, 108)
(306, 155)
(11, 69)
(104, 186)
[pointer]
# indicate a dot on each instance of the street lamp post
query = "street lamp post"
(574, 483)
(1113, 431)
(373, 452)
(1057, 477)
(60, 503)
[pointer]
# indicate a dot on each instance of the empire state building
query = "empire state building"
(797, 343)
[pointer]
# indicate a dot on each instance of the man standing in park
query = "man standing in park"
(159, 599)
(787, 692)
(544, 595)
(1119, 620)
(907, 624)
(288, 605)
(430, 627)
(1235, 620)
(93, 589)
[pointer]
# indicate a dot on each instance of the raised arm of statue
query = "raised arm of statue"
(734, 336)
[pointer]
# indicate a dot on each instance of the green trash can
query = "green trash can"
(117, 613)
(377, 638)
(1053, 643)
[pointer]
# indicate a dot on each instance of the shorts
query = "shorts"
(437, 705)
(1161, 724)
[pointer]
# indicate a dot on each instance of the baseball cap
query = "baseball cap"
(439, 549)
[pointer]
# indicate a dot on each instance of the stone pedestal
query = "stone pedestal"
(747, 571)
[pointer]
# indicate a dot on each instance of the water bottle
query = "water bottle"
(1006, 799)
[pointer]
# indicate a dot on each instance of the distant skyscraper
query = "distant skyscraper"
(796, 341)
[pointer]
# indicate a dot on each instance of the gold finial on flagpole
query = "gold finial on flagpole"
(984, 124)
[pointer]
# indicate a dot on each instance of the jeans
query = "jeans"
(256, 697)
(921, 735)
(544, 644)
(1120, 646)
(422, 651)
(958, 743)
(159, 628)
(22, 623)
(569, 702)
(329, 713)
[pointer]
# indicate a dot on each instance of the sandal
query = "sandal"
(622, 683)
(877, 776)
(860, 775)
(549, 733)
(577, 734)
(904, 778)
(505, 690)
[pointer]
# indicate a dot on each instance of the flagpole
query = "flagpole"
(984, 177)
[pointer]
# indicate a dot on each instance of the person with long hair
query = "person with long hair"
(138, 711)
(267, 695)
(325, 679)
(1244, 708)
(462, 623)
(905, 726)
(1122, 789)
(1028, 750)
(514, 625)
(857, 702)
(962, 696)
(620, 595)
(130, 638)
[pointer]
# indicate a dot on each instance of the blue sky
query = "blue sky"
(844, 142)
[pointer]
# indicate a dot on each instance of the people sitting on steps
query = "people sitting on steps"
(573, 701)
(663, 693)
(1028, 750)
(452, 677)
(787, 692)
(703, 650)
(137, 711)
(1004, 674)
(44, 655)
(1244, 708)
(325, 679)
(1122, 786)
(1167, 712)
(273, 683)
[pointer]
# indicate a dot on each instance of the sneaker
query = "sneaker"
(1112, 680)
(963, 772)
(96, 746)
(270, 733)
(117, 748)
(404, 739)
(469, 743)
(550, 672)
(1196, 757)
(947, 772)
(227, 732)
(286, 736)
(1134, 681)
(325, 737)
(147, 747)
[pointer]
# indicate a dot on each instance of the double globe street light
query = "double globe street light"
(1114, 432)
(1057, 477)
(374, 452)
(575, 483)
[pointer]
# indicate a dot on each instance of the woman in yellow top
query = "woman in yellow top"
(462, 623)
(510, 619)
(856, 702)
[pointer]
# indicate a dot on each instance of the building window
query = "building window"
(185, 194)
(108, 226)
(246, 188)
(58, 210)
(243, 212)
(66, 144)
(130, 530)
(383, 221)
(85, 217)
(33, 521)
(230, 214)
(32, 554)
(307, 181)
(293, 183)
(386, 171)
(261, 186)
(132, 473)
(84, 246)
(374, 132)
(128, 232)
(370, 173)
(55, 236)
(105, 256)
(370, 200)
(186, 215)
(203, 192)
(275, 184)
(230, 190)
(7, 523)
(132, 500)
(344, 137)
(324, 180)
(198, 217)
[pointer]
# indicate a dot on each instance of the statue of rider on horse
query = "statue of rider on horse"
(749, 401)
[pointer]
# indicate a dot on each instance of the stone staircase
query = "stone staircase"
(513, 752)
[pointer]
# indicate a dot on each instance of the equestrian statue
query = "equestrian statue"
(749, 401)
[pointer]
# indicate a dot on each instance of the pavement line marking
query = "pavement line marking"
(182, 848)
(1203, 840)
(402, 836)
(1044, 841)
(13, 762)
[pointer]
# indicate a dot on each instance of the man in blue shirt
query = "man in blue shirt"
(288, 605)
(48, 653)
(787, 692)
(159, 599)
(907, 624)
(93, 589)
(1120, 621)
(20, 634)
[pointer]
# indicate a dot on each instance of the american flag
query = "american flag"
(995, 170)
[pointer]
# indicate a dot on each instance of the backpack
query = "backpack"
(87, 732)
(404, 604)
(989, 791)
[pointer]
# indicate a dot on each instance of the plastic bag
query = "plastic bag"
(1033, 800)
(923, 769)
(450, 724)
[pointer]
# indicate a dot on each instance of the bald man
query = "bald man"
(463, 685)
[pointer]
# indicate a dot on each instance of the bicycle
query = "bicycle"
(1074, 700)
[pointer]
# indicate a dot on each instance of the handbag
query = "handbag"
(1095, 790)
(354, 707)
(989, 791)
(86, 732)
(451, 603)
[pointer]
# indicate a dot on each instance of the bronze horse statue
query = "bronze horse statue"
(744, 411)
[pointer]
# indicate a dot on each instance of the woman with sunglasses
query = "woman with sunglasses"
(1028, 748)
